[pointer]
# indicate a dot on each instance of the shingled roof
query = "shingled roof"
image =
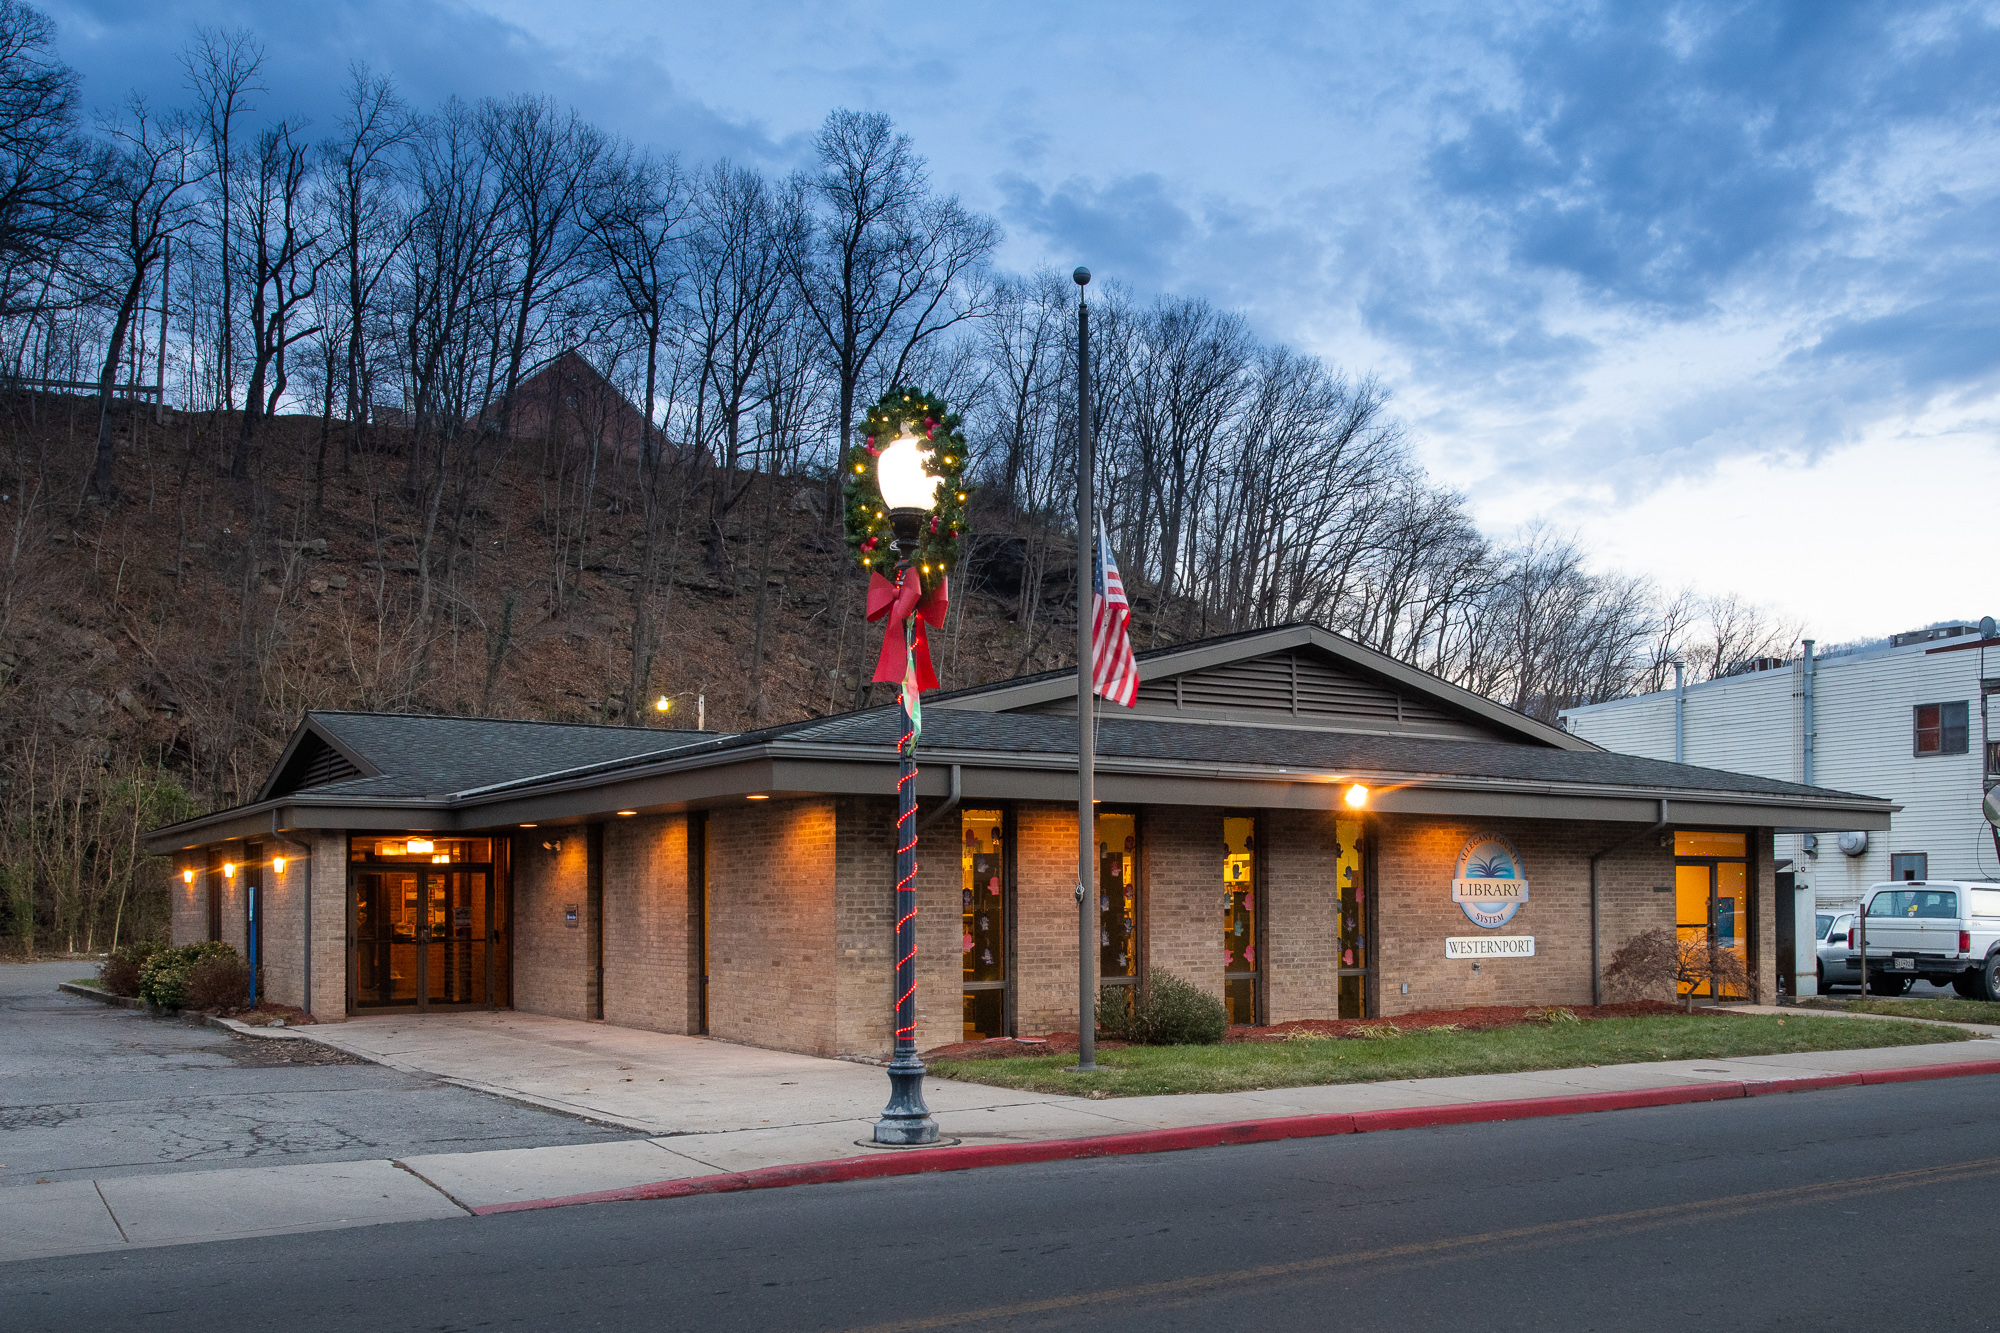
(409, 754)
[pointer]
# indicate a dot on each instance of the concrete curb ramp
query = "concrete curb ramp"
(920, 1161)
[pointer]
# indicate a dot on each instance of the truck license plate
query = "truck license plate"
(1906, 964)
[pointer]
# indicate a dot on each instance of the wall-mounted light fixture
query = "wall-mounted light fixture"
(278, 864)
(229, 870)
(187, 876)
(552, 844)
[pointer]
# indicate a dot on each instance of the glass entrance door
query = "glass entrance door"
(427, 934)
(1712, 910)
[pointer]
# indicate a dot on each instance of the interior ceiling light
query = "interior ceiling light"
(419, 846)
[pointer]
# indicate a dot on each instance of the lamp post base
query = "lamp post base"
(906, 1122)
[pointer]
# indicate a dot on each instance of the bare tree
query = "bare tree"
(222, 70)
(283, 264)
(153, 196)
(886, 266)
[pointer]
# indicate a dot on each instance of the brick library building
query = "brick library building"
(1296, 824)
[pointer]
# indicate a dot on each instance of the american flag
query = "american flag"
(1114, 672)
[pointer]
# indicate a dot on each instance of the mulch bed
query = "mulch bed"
(1477, 1019)
(264, 1015)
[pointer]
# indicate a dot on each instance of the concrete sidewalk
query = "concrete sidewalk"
(714, 1109)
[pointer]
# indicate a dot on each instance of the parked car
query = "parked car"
(1945, 931)
(1839, 964)
(1822, 923)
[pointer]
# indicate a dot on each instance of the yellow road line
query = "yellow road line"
(1641, 1219)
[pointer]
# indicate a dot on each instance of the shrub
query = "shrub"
(218, 983)
(1166, 1012)
(1662, 960)
(1554, 1015)
(163, 978)
(119, 973)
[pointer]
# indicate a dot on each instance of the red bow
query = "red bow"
(901, 601)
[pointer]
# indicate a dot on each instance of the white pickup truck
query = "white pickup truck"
(1945, 931)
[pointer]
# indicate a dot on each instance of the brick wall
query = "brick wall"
(328, 868)
(284, 912)
(1295, 867)
(1045, 919)
(189, 919)
(865, 928)
(650, 968)
(771, 925)
(551, 959)
(1181, 893)
(1415, 860)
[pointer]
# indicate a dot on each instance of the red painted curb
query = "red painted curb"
(1919, 1073)
(1528, 1108)
(1764, 1087)
(925, 1160)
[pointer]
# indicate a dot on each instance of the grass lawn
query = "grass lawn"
(1950, 1011)
(1245, 1066)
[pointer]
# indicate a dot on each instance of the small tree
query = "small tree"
(1661, 957)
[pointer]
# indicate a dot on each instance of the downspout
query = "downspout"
(1808, 737)
(1680, 714)
(1596, 971)
(951, 803)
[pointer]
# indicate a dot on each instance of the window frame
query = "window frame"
(1923, 862)
(1260, 974)
(1953, 735)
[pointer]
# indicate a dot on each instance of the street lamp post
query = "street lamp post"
(910, 491)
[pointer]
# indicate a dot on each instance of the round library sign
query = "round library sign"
(1489, 883)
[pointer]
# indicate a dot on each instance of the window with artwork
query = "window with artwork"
(1118, 899)
(1239, 918)
(1351, 922)
(1941, 728)
(983, 904)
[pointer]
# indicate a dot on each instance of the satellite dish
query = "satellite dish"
(1987, 627)
(1854, 844)
(1993, 806)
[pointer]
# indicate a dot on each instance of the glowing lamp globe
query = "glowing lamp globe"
(908, 490)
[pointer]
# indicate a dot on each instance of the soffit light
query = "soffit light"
(757, 796)
(628, 812)
(1357, 796)
(901, 476)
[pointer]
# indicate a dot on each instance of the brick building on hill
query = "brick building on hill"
(741, 884)
(568, 398)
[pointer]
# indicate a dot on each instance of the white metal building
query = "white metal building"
(1903, 718)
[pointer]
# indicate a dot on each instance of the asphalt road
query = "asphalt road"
(1863, 1206)
(89, 1091)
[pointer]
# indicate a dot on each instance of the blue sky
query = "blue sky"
(1712, 284)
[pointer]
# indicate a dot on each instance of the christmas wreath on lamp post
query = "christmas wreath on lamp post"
(904, 483)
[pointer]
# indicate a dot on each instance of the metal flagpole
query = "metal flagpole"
(1086, 740)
